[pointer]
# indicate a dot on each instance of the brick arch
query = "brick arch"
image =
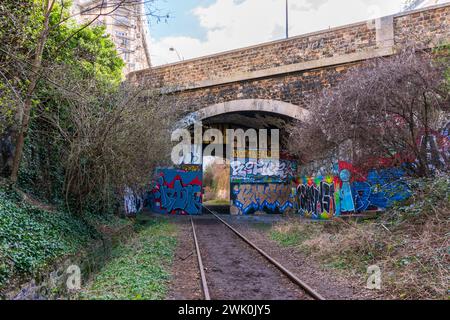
(257, 105)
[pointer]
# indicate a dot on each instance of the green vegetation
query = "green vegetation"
(75, 57)
(442, 53)
(287, 238)
(31, 238)
(409, 243)
(84, 144)
(138, 269)
(69, 135)
(293, 234)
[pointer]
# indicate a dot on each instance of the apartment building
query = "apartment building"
(125, 22)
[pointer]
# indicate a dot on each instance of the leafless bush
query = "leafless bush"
(113, 138)
(383, 107)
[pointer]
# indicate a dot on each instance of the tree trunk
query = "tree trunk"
(34, 78)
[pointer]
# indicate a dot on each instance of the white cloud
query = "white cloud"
(232, 24)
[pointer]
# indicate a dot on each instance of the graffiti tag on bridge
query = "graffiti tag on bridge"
(177, 192)
(263, 171)
(269, 198)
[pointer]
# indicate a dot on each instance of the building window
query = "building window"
(122, 20)
(121, 34)
(124, 43)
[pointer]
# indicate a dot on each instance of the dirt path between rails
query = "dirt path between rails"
(235, 271)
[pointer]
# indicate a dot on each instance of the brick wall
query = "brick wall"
(420, 26)
(295, 88)
(423, 25)
(299, 49)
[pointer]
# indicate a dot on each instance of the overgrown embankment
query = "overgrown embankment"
(410, 244)
(32, 239)
(138, 269)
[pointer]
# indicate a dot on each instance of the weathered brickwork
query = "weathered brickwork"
(292, 88)
(423, 26)
(282, 70)
(298, 49)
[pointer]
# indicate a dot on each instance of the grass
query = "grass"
(263, 226)
(138, 270)
(31, 239)
(289, 234)
(410, 243)
(287, 238)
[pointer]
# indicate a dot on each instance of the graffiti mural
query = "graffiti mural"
(177, 191)
(268, 198)
(380, 189)
(133, 202)
(351, 191)
(446, 135)
(263, 171)
(436, 147)
(319, 198)
(263, 185)
(345, 194)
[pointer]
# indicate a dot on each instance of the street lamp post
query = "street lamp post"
(287, 19)
(178, 54)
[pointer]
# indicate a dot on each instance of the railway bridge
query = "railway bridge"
(253, 86)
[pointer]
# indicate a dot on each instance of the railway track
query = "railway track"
(292, 277)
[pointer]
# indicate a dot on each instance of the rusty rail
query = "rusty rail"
(200, 265)
(310, 291)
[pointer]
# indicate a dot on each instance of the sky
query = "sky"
(200, 27)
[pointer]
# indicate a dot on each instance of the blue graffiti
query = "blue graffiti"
(177, 191)
(269, 198)
(180, 198)
(381, 190)
(345, 194)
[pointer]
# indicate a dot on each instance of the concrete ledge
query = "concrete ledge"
(296, 67)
